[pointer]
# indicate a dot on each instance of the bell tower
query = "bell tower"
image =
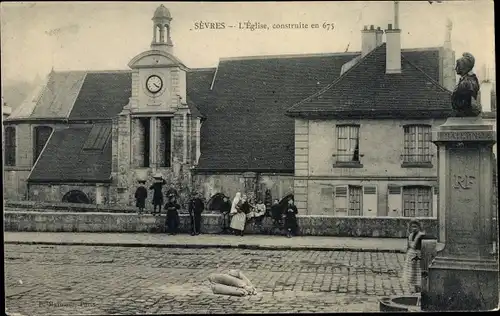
(161, 30)
(153, 133)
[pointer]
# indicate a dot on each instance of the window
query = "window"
(165, 141)
(348, 143)
(417, 201)
(98, 137)
(10, 146)
(145, 129)
(348, 200)
(42, 134)
(417, 147)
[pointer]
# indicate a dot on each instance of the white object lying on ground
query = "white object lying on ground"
(234, 283)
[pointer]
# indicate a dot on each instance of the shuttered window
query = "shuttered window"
(348, 200)
(348, 143)
(417, 201)
(417, 144)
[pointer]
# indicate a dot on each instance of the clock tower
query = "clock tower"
(153, 132)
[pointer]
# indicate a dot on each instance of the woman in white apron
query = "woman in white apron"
(412, 270)
(238, 218)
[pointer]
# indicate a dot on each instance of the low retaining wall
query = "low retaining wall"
(311, 225)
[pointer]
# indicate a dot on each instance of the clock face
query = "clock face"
(154, 84)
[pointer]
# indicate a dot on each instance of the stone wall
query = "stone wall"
(39, 192)
(33, 216)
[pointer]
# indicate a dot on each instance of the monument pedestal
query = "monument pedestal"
(464, 274)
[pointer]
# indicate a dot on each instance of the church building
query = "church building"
(320, 126)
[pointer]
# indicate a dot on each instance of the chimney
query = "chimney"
(378, 36)
(393, 53)
(368, 40)
(485, 95)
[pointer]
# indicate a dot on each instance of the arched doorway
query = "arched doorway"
(215, 202)
(76, 196)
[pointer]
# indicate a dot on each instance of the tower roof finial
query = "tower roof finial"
(162, 13)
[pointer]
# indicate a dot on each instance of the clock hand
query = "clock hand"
(156, 85)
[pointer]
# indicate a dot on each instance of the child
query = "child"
(412, 270)
(260, 211)
(157, 193)
(291, 219)
(172, 220)
(140, 196)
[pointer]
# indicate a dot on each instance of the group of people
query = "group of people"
(172, 207)
(236, 215)
(241, 211)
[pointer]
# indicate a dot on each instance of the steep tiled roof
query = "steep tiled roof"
(246, 126)
(103, 95)
(366, 90)
(198, 88)
(66, 160)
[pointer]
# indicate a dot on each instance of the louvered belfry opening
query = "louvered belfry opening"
(145, 125)
(165, 141)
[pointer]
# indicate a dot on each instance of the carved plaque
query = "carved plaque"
(462, 205)
(466, 136)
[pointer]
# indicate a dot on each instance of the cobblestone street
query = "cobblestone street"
(63, 280)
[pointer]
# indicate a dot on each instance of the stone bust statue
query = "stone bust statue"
(464, 97)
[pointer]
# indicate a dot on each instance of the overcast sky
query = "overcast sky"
(102, 36)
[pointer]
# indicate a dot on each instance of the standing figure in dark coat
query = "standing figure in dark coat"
(157, 187)
(196, 207)
(225, 208)
(172, 220)
(291, 219)
(140, 196)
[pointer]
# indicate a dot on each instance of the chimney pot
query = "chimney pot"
(365, 27)
(372, 27)
(378, 28)
(389, 27)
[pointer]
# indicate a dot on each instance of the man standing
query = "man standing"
(157, 186)
(196, 207)
(225, 209)
(172, 219)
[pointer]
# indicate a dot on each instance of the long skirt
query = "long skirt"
(238, 221)
(412, 272)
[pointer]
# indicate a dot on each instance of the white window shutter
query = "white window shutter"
(370, 200)
(341, 200)
(394, 201)
(435, 201)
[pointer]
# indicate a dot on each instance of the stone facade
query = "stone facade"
(97, 193)
(250, 183)
(381, 148)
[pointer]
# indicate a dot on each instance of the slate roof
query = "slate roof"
(65, 159)
(103, 95)
(246, 126)
(366, 90)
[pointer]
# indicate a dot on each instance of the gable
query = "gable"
(155, 59)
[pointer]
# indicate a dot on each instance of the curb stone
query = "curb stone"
(203, 246)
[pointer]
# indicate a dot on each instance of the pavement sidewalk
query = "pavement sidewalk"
(260, 242)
